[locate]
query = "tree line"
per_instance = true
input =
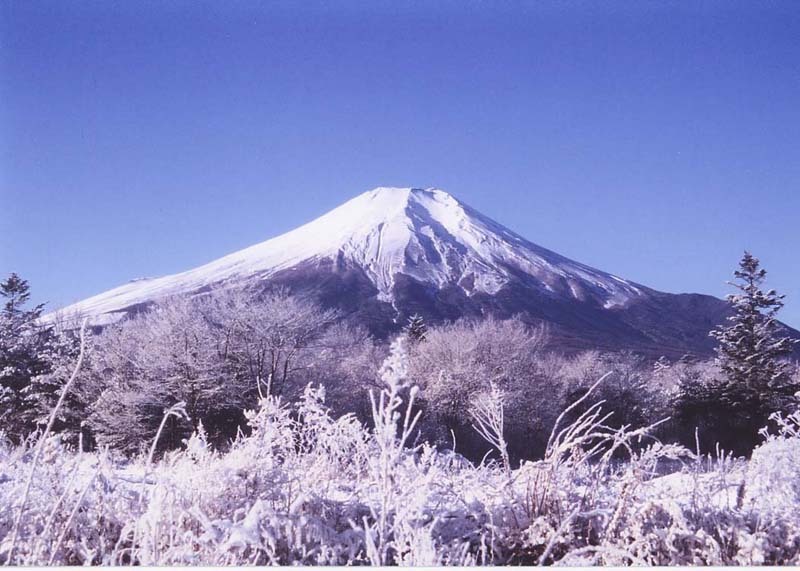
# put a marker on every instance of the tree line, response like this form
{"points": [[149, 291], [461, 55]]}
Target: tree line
{"points": [[221, 352]]}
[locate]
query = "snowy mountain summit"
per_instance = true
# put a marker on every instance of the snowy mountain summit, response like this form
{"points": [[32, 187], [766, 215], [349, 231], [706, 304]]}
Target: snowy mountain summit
{"points": [[390, 252], [430, 236]]}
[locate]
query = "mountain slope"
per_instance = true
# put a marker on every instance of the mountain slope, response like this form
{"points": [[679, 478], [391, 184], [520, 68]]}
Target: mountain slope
{"points": [[393, 251], [425, 234]]}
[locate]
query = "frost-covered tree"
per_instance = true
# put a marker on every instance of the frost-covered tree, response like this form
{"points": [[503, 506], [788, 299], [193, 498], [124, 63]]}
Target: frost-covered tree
{"points": [[751, 349], [146, 365], [416, 330], [45, 389], [631, 391], [344, 360], [220, 353], [487, 412], [755, 378], [27, 350], [460, 361], [278, 342], [271, 336]]}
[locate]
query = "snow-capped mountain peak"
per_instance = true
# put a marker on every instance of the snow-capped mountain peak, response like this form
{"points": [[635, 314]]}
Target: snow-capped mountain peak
{"points": [[425, 234], [431, 236]]}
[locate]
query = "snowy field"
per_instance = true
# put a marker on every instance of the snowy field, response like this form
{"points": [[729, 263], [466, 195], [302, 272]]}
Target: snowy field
{"points": [[308, 489]]}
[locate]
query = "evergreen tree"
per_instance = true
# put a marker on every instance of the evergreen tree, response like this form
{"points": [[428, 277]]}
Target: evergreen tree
{"points": [[416, 330], [24, 354], [755, 377], [751, 347], [40, 396]]}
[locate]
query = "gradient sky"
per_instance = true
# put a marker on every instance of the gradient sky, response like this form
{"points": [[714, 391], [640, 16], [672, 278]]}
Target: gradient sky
{"points": [[653, 140]]}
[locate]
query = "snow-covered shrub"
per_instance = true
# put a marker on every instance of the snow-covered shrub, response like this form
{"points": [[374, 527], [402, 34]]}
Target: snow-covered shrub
{"points": [[773, 474], [304, 486]]}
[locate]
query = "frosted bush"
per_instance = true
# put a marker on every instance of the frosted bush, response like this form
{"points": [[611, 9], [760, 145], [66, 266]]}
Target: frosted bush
{"points": [[773, 478]]}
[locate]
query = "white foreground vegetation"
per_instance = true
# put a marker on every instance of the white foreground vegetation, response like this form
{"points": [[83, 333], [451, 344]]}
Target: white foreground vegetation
{"points": [[305, 488]]}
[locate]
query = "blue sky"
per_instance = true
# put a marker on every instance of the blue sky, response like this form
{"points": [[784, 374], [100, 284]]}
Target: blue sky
{"points": [[654, 140]]}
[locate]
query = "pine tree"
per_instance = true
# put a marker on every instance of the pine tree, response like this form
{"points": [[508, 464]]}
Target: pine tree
{"points": [[416, 330], [751, 347], [17, 293], [60, 353], [755, 377], [25, 348]]}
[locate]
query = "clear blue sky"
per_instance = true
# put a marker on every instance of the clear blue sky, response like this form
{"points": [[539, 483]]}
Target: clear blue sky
{"points": [[654, 140]]}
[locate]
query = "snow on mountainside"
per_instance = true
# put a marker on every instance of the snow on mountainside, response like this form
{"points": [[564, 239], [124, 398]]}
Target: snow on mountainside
{"points": [[425, 234]]}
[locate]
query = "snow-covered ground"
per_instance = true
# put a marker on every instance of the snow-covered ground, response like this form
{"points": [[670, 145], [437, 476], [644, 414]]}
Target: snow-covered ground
{"points": [[306, 488]]}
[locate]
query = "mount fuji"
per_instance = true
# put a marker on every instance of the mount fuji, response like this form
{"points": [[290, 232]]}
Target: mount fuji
{"points": [[392, 252]]}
